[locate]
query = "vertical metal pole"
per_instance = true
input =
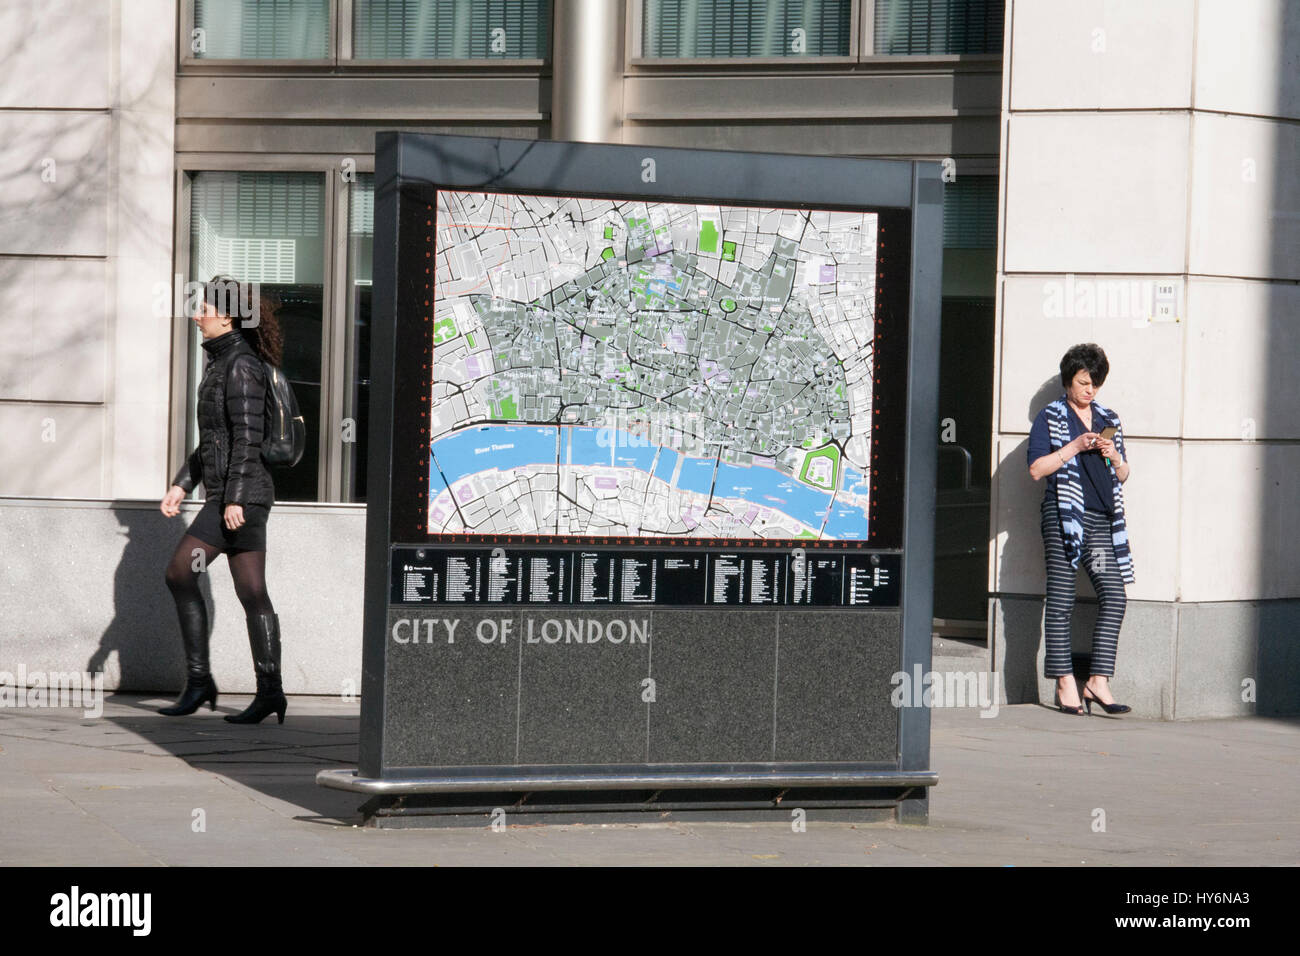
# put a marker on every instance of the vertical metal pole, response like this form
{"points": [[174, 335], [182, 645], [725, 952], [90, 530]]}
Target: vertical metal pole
{"points": [[587, 71]]}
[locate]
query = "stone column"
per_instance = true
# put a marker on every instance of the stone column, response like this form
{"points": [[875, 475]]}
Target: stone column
{"points": [[1151, 205], [587, 66]]}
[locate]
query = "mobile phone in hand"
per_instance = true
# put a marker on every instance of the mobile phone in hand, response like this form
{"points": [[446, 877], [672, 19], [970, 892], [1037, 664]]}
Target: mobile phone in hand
{"points": [[1108, 433]]}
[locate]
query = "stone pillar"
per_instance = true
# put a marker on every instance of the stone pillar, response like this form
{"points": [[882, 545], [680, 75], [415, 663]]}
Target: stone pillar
{"points": [[1151, 205], [587, 67]]}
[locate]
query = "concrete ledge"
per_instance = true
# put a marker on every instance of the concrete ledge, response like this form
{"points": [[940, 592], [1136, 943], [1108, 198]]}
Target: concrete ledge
{"points": [[83, 590], [1176, 660]]}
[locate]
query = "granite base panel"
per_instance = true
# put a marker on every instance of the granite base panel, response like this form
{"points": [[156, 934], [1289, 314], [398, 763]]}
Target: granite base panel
{"points": [[529, 687]]}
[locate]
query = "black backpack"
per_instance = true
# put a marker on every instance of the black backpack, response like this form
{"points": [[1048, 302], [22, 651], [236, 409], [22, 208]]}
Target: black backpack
{"points": [[284, 435]]}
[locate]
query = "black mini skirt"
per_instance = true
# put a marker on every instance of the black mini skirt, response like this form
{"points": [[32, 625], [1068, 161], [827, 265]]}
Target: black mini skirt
{"points": [[209, 526]]}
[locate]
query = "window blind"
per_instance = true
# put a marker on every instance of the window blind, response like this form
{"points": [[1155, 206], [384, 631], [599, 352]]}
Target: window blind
{"points": [[738, 28], [361, 221], [938, 26], [262, 29], [970, 213], [247, 224], [451, 29]]}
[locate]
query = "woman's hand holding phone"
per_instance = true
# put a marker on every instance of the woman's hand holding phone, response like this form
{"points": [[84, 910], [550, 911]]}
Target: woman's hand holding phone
{"points": [[1106, 444]]}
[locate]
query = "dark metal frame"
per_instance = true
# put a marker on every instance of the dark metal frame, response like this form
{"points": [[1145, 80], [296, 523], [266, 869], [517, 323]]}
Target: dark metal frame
{"points": [[404, 159]]}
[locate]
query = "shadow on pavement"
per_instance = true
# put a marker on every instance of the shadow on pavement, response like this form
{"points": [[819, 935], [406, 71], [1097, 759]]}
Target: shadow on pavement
{"points": [[277, 760]]}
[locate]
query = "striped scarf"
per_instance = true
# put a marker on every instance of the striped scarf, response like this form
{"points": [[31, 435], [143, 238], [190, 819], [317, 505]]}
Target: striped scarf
{"points": [[1067, 482]]}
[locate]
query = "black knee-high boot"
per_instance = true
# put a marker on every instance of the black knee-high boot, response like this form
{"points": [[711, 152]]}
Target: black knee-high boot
{"points": [[199, 685], [264, 639]]}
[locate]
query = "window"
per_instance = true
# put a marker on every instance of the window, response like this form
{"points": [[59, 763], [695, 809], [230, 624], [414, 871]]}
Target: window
{"points": [[966, 336], [268, 227], [261, 29], [450, 29], [356, 404], [746, 28], [970, 213], [938, 26], [970, 238]]}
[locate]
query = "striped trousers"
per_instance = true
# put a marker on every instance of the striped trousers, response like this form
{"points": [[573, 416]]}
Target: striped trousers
{"points": [[1099, 562]]}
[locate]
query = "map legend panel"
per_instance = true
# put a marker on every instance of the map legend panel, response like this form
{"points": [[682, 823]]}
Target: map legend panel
{"points": [[595, 583], [425, 575]]}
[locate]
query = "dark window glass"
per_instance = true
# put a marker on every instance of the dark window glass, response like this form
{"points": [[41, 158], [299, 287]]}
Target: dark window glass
{"points": [[970, 213], [735, 28], [938, 26], [268, 227], [450, 29]]}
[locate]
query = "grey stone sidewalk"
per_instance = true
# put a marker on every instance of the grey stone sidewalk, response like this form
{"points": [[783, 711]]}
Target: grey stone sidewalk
{"points": [[1030, 786]]}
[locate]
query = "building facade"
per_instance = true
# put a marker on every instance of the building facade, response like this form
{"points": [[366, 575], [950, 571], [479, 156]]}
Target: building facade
{"points": [[154, 143]]}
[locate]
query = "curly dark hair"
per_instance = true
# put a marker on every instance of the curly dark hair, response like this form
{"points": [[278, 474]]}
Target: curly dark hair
{"points": [[253, 310], [1087, 356]]}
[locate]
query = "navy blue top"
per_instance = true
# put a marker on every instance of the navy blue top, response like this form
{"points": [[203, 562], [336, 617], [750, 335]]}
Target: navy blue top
{"points": [[1098, 494]]}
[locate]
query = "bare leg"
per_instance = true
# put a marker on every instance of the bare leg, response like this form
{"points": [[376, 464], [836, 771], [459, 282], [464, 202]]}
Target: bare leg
{"points": [[1067, 689]]}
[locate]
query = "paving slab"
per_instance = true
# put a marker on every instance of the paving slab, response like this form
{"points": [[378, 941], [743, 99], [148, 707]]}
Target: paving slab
{"points": [[1029, 786]]}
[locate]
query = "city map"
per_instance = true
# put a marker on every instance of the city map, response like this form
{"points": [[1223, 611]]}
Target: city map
{"points": [[627, 368]]}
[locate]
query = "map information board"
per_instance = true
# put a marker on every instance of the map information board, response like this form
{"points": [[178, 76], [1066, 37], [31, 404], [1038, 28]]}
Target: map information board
{"points": [[657, 370]]}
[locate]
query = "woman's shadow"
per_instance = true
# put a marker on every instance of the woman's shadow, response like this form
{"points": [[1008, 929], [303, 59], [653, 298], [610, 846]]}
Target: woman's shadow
{"points": [[142, 641], [1022, 577], [140, 652]]}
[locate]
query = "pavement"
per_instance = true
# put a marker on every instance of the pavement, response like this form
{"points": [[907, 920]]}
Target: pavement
{"points": [[1029, 786]]}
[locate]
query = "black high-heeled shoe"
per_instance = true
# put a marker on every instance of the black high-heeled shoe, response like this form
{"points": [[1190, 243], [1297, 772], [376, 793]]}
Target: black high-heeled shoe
{"points": [[270, 700], [1109, 708], [199, 685], [1064, 709], [264, 639], [197, 691]]}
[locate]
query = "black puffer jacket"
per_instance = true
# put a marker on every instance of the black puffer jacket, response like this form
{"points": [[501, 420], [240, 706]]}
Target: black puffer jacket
{"points": [[231, 409]]}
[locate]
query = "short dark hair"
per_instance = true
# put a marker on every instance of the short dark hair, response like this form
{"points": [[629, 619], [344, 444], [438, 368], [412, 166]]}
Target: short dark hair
{"points": [[1087, 356]]}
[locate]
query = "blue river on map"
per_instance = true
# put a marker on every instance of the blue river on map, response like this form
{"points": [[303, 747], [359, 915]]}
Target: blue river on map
{"points": [[483, 447]]}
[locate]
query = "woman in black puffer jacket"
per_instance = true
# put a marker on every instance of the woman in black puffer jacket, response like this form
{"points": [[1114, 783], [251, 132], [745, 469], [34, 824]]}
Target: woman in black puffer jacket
{"points": [[239, 330]]}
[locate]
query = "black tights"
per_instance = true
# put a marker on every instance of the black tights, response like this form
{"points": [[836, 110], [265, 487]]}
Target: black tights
{"points": [[247, 569]]}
